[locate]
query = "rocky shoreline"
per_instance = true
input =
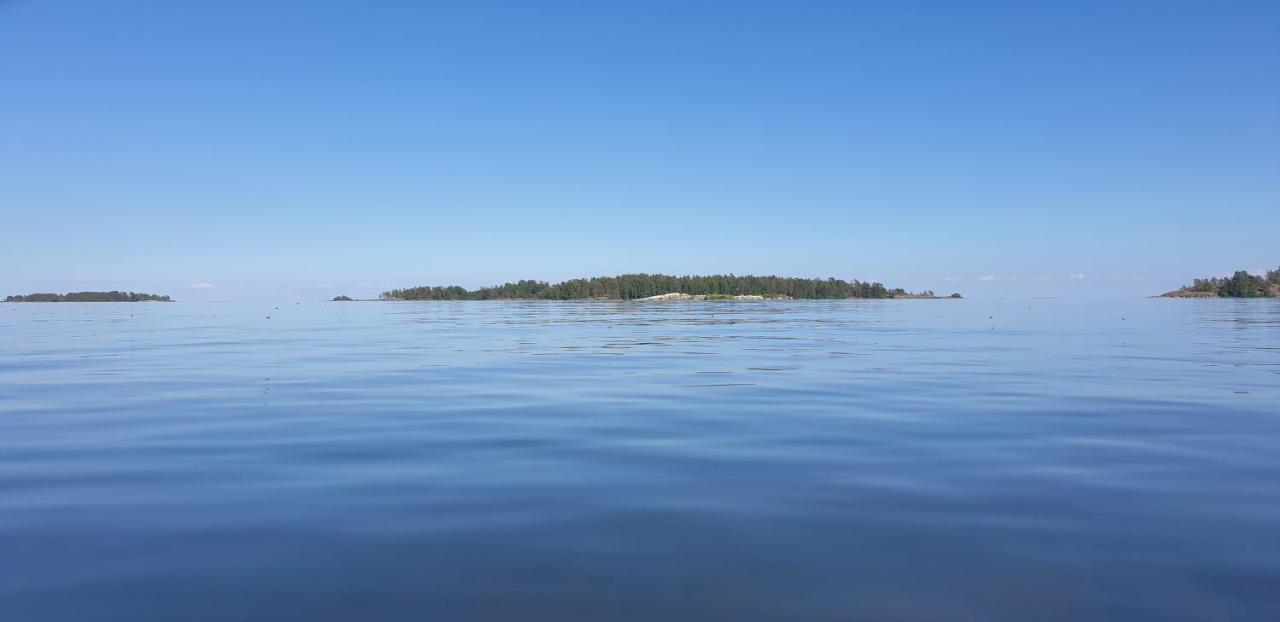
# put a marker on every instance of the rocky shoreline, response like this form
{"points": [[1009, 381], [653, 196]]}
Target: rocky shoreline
{"points": [[1188, 293], [677, 296]]}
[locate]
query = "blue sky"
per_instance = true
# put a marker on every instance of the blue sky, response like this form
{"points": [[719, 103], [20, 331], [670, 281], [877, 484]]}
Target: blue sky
{"points": [[313, 148]]}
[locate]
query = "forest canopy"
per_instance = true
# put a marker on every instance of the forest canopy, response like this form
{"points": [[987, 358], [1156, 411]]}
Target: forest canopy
{"points": [[633, 286], [1239, 285], [112, 296]]}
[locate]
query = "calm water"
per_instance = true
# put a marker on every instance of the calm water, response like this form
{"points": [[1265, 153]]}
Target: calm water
{"points": [[903, 460]]}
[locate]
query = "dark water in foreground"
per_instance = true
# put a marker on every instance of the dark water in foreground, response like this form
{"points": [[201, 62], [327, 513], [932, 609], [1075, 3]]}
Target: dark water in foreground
{"points": [[898, 460]]}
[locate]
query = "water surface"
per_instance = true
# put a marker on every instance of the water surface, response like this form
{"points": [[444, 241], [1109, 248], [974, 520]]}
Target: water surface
{"points": [[904, 460]]}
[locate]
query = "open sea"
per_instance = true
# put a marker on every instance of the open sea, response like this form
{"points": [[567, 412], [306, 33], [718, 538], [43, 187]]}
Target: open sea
{"points": [[967, 460]]}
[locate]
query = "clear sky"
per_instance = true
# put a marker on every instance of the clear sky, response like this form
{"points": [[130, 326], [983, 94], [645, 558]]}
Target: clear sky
{"points": [[216, 148]]}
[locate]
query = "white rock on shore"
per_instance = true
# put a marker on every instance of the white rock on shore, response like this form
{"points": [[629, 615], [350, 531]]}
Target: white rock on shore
{"points": [[680, 296]]}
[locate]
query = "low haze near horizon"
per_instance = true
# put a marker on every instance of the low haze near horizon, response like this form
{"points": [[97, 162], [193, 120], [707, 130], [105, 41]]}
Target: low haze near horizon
{"points": [[222, 149]]}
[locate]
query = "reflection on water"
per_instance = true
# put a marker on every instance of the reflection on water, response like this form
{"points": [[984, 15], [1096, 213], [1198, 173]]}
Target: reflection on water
{"points": [[907, 460]]}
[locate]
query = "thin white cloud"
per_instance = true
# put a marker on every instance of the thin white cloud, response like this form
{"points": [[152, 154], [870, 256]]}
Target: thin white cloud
{"points": [[987, 279], [1079, 276], [203, 285], [952, 279], [324, 285]]}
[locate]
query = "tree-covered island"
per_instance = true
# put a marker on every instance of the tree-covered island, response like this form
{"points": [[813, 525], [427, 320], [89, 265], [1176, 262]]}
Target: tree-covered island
{"points": [[112, 296], [662, 287], [1239, 285]]}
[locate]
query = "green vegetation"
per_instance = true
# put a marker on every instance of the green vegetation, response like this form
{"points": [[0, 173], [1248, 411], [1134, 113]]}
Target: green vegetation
{"points": [[342, 299], [90, 297], [632, 286], [1239, 285]]}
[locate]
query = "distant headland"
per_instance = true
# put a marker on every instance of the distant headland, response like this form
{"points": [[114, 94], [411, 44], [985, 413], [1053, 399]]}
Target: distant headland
{"points": [[664, 287], [1239, 285], [90, 297]]}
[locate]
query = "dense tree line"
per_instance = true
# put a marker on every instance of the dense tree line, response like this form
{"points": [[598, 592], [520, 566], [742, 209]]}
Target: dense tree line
{"points": [[89, 297], [1240, 285], [632, 286]]}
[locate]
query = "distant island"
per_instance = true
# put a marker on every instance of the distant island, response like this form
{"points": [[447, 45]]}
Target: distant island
{"points": [[1240, 285], [343, 299], [90, 297], [663, 287]]}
